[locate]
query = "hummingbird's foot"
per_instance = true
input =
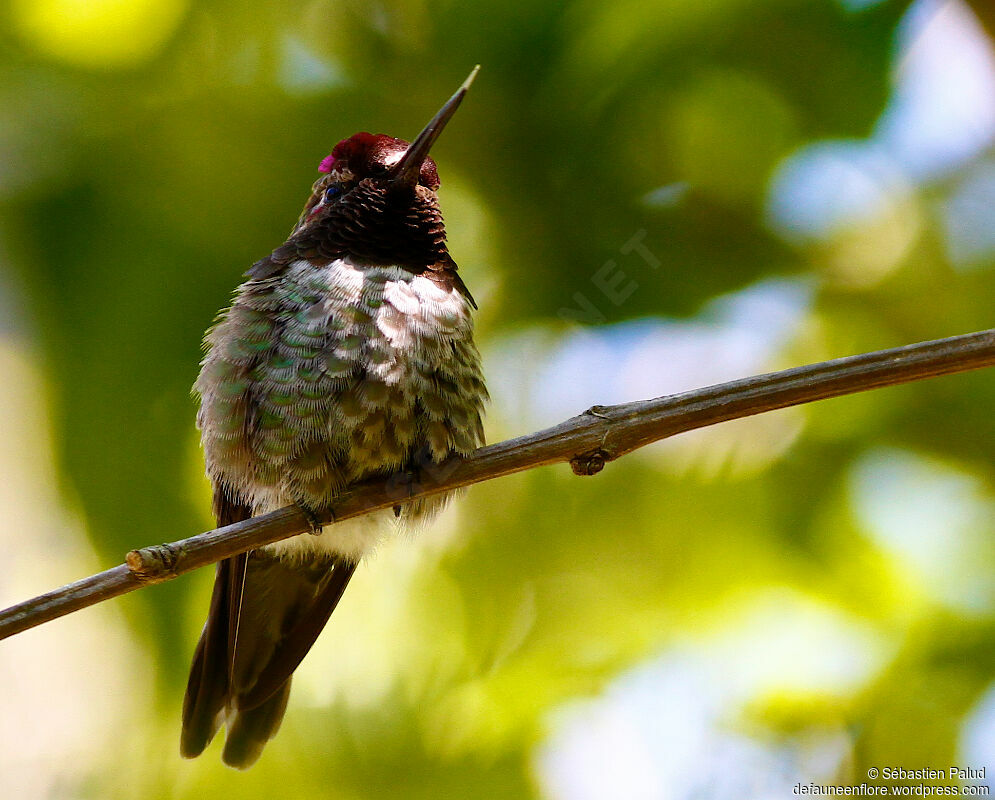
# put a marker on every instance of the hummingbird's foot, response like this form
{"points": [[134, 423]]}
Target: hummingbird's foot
{"points": [[312, 519], [404, 484]]}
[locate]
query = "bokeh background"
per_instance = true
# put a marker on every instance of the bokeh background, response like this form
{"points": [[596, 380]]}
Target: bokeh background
{"points": [[645, 196]]}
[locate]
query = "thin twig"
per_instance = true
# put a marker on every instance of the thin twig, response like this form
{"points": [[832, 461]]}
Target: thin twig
{"points": [[588, 441]]}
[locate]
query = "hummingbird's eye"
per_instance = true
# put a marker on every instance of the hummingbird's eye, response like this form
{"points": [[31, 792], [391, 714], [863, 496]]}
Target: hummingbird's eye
{"points": [[332, 192]]}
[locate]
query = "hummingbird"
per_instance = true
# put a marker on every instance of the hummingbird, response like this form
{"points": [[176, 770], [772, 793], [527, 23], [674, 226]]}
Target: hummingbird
{"points": [[346, 355]]}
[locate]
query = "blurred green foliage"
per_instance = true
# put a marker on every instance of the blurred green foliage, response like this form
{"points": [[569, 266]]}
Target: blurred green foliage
{"points": [[150, 151]]}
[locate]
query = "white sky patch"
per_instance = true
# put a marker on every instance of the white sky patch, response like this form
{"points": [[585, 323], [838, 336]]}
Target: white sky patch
{"points": [[832, 185], [540, 378], [670, 195], [969, 219], [977, 738], [858, 5], [934, 520], [303, 71], [664, 729], [940, 116], [942, 113]]}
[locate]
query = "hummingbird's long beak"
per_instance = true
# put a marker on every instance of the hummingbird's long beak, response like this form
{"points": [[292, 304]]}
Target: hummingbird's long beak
{"points": [[406, 171]]}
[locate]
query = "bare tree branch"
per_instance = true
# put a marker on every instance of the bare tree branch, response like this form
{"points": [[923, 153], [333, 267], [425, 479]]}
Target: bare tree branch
{"points": [[588, 441]]}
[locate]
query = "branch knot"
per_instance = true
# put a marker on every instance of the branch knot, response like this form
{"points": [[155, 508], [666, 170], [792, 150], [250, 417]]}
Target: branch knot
{"points": [[590, 463], [154, 563], [598, 411]]}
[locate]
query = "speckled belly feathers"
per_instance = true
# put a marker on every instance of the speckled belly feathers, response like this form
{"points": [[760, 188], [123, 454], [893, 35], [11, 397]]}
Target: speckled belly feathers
{"points": [[328, 375]]}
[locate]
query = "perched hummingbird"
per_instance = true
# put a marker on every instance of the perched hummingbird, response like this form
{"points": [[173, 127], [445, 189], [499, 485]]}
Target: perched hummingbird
{"points": [[347, 354]]}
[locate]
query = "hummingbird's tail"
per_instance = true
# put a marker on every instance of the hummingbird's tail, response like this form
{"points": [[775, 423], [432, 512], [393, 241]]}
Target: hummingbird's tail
{"points": [[265, 614]]}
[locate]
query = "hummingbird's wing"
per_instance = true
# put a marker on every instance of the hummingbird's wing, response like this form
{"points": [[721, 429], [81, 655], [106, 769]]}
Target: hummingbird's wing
{"points": [[265, 615], [277, 261], [210, 672], [284, 607], [319, 588]]}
